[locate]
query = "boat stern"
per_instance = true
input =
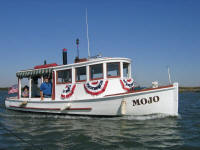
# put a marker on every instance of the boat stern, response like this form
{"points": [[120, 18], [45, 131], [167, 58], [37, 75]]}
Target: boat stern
{"points": [[175, 98]]}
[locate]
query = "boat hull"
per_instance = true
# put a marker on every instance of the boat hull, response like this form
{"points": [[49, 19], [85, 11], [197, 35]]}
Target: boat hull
{"points": [[162, 100]]}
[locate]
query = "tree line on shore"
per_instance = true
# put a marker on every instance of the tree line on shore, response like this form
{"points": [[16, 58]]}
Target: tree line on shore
{"points": [[189, 89], [4, 88]]}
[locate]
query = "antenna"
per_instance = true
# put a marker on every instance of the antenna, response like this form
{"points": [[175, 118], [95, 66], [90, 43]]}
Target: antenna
{"points": [[87, 35], [169, 76]]}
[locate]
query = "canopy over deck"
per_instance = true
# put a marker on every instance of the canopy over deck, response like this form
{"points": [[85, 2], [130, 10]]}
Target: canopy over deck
{"points": [[34, 73], [38, 71]]}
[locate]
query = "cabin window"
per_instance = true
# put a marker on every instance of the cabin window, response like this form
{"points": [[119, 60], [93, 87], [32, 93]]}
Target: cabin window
{"points": [[113, 69], [64, 76], [96, 71], [81, 74], [125, 70]]}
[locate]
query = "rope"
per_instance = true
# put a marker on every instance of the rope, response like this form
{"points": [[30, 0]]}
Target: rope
{"points": [[19, 138]]}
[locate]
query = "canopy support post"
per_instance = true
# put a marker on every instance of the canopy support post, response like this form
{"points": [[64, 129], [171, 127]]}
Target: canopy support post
{"points": [[30, 90], [19, 87], [42, 79], [53, 87]]}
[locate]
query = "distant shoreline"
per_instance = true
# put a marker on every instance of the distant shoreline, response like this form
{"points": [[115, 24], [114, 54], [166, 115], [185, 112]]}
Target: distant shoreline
{"points": [[4, 88], [189, 89], [181, 89]]}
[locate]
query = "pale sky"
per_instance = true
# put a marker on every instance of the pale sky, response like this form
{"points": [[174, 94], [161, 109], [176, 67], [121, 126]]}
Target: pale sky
{"points": [[153, 33]]}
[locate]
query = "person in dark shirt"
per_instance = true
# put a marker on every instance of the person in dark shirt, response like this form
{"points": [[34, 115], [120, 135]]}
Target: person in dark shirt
{"points": [[45, 88]]}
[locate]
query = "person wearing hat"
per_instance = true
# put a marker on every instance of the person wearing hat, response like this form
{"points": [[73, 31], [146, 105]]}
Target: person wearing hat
{"points": [[45, 88]]}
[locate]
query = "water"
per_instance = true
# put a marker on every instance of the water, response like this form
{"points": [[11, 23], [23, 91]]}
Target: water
{"points": [[52, 132]]}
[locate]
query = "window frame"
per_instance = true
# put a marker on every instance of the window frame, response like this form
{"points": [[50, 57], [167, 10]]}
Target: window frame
{"points": [[90, 72], [63, 82], [119, 67], [76, 74], [128, 73]]}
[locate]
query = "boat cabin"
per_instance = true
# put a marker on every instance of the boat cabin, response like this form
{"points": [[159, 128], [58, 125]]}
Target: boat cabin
{"points": [[83, 79]]}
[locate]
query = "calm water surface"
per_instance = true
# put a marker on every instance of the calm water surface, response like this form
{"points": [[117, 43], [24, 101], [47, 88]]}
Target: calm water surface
{"points": [[52, 132]]}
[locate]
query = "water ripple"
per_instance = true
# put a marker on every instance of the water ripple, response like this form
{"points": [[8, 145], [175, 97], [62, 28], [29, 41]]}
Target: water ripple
{"points": [[133, 132]]}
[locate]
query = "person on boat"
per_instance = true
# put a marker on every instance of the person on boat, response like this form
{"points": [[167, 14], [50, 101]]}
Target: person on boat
{"points": [[45, 88], [25, 92]]}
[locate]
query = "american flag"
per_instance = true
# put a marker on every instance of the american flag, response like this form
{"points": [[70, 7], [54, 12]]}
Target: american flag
{"points": [[13, 89]]}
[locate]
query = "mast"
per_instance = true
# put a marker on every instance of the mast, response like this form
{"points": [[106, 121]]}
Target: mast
{"points": [[87, 35], [169, 76]]}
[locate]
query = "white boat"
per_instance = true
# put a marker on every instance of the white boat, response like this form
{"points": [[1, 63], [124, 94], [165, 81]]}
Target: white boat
{"points": [[94, 87]]}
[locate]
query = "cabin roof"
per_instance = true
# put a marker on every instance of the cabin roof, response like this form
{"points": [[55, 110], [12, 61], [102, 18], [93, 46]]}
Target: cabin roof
{"points": [[48, 70], [93, 61]]}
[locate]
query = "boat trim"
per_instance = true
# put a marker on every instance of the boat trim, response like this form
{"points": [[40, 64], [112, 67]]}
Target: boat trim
{"points": [[129, 92], [86, 108], [102, 98]]}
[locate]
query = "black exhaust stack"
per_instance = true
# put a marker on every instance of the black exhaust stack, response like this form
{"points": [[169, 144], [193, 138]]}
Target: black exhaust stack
{"points": [[77, 43], [64, 56]]}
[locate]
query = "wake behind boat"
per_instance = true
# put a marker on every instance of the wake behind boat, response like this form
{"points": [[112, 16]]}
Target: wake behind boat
{"points": [[98, 86]]}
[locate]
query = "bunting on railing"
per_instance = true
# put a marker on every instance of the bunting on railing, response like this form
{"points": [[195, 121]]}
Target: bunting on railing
{"points": [[127, 84], [96, 87], [68, 91]]}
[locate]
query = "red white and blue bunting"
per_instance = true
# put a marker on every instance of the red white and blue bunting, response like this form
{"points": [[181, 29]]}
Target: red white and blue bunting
{"points": [[96, 87], [127, 84], [68, 91]]}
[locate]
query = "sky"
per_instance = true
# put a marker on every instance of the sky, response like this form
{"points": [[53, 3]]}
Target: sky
{"points": [[155, 34]]}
